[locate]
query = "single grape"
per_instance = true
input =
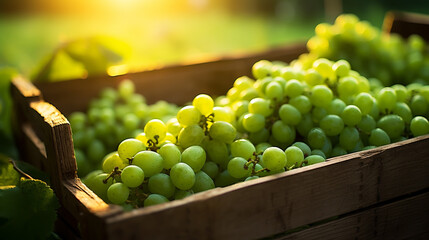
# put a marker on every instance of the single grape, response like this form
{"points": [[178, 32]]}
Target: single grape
{"points": [[289, 114], [294, 157], [302, 103], [386, 99], [190, 135], [150, 162], [419, 126], [195, 157], [154, 199], [351, 115], [224, 179], [392, 124], [118, 193], [332, 125], [111, 161], [132, 176], [321, 96], [155, 130], [170, 154], [367, 124], [161, 183], [293, 88], [260, 106], [313, 159], [378, 137], [349, 138], [188, 116], [274, 158], [316, 138], [182, 176], [242, 148], [253, 122], [237, 167], [130, 147], [203, 182], [216, 151], [211, 169], [283, 133], [341, 67], [306, 150], [223, 131], [204, 104], [364, 101], [181, 194]]}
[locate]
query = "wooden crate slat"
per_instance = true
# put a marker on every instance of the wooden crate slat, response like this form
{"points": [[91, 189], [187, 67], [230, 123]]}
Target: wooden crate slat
{"points": [[402, 219], [282, 202]]}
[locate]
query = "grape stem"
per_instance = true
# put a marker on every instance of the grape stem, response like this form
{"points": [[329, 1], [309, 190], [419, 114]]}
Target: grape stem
{"points": [[152, 145], [114, 173], [19, 170], [204, 122]]}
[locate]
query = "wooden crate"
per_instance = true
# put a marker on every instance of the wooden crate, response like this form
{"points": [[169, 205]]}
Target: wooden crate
{"points": [[381, 193]]}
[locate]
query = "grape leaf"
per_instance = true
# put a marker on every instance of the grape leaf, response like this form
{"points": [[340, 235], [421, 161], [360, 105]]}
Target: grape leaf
{"points": [[8, 175], [27, 210]]}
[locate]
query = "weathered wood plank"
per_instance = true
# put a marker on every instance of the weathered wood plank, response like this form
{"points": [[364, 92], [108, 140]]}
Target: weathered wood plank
{"points": [[403, 219]]}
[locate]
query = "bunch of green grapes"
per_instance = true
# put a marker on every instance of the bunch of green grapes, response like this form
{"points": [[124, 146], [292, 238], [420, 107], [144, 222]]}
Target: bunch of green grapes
{"points": [[115, 115], [387, 57]]}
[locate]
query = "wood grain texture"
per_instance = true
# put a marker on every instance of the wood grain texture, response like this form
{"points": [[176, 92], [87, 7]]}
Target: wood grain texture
{"points": [[407, 24], [275, 204], [403, 219]]}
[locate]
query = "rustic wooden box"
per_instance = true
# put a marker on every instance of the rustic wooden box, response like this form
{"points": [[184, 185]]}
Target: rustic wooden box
{"points": [[381, 193]]}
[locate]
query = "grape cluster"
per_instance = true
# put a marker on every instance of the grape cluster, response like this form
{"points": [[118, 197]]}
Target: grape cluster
{"points": [[115, 115], [387, 57]]}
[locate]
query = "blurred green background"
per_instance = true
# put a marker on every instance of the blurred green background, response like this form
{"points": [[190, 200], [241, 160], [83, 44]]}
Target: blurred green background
{"points": [[170, 31]]}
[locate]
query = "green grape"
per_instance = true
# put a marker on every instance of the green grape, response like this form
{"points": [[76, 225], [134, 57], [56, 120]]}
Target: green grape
{"points": [[249, 94], [274, 158], [224, 179], [253, 122], [118, 193], [341, 67], [294, 157], [225, 114], [125, 88], [233, 94], [324, 67], [260, 106], [131, 121], [338, 151], [419, 126], [216, 151], [332, 125], [318, 152], [283, 132], [173, 127], [243, 83], [287, 73], [251, 178], [169, 138], [211, 169], [289, 114], [261, 147], [154, 199], [261, 69], [182, 176], [99, 187], [161, 183], [293, 88], [111, 161], [305, 125], [188, 116], [237, 167], [170, 154], [313, 159], [83, 165], [130, 147], [204, 104], [195, 157], [96, 151], [318, 113], [260, 136], [223, 131], [378, 137], [274, 91], [313, 77], [321, 96], [367, 124], [261, 84], [316, 138], [132, 176], [386, 99], [150, 162], [181, 194], [349, 138], [302, 103], [364, 101], [240, 107], [77, 120], [401, 92], [347, 86], [203, 182], [403, 110], [351, 115], [153, 128], [336, 107], [306, 150], [242, 148], [419, 105], [392, 124], [190, 135]]}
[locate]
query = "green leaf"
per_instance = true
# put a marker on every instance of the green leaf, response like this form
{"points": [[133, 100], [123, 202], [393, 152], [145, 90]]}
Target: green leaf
{"points": [[8, 175], [28, 210]]}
